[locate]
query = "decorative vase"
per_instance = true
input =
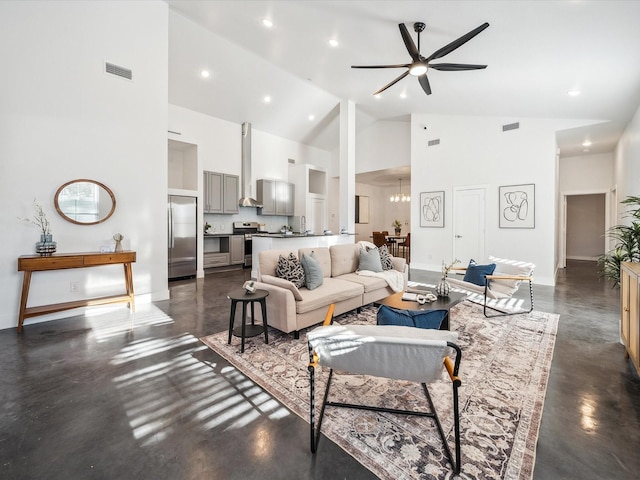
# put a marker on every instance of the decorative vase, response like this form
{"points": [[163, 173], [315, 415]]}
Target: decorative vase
{"points": [[118, 237], [443, 288], [46, 246], [398, 230]]}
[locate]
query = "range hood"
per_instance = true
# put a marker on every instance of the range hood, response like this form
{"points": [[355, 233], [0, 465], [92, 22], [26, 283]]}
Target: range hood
{"points": [[245, 199]]}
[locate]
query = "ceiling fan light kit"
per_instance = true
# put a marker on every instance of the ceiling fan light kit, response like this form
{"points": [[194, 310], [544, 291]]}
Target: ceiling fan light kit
{"points": [[419, 64]]}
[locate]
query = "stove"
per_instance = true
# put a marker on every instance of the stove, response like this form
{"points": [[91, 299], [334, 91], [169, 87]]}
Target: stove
{"points": [[247, 229]]}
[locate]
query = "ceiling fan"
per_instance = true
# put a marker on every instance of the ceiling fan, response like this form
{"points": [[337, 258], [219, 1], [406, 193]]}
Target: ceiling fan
{"points": [[419, 65]]}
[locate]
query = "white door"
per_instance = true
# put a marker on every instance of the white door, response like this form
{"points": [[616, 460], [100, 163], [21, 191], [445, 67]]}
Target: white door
{"points": [[317, 214], [469, 224]]}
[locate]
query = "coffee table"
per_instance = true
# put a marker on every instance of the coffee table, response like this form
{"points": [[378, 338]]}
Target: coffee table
{"points": [[442, 303]]}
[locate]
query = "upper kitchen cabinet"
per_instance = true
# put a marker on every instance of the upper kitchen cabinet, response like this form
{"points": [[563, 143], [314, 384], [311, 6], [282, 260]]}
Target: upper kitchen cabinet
{"points": [[220, 193], [277, 198], [182, 167], [310, 194]]}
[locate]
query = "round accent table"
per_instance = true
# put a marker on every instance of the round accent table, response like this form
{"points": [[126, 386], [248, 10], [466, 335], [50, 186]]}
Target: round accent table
{"points": [[250, 330]]}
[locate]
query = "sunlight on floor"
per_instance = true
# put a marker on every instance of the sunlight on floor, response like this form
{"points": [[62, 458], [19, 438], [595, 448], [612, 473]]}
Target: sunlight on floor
{"points": [[110, 321], [166, 383]]}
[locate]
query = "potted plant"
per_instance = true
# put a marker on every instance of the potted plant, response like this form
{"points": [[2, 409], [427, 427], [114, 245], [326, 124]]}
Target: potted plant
{"points": [[627, 247], [397, 226]]}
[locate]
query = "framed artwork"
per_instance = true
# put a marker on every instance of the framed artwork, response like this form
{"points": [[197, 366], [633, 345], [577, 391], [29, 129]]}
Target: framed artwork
{"points": [[432, 209], [517, 206], [362, 209]]}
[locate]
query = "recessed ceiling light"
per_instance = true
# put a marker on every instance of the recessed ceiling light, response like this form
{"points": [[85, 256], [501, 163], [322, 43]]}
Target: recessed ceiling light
{"points": [[377, 96], [267, 99], [267, 23], [403, 95], [205, 74], [586, 143], [573, 93], [312, 117], [333, 42]]}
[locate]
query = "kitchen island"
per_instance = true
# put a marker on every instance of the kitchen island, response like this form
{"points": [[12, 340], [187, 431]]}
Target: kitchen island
{"points": [[278, 241]]}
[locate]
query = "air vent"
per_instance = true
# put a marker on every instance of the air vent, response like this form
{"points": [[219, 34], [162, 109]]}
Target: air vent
{"points": [[119, 71], [292, 161], [431, 143], [511, 126]]}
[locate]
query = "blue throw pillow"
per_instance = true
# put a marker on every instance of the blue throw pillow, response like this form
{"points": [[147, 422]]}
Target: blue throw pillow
{"points": [[313, 274], [431, 319], [476, 273]]}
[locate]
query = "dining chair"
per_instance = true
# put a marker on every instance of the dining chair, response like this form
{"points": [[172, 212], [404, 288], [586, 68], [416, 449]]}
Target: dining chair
{"points": [[406, 247]]}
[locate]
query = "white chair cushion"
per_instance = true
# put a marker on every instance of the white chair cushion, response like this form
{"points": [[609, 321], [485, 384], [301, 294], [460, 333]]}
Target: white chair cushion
{"points": [[404, 353]]}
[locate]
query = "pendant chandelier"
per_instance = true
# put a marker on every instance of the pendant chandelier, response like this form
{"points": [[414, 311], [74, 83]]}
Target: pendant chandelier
{"points": [[399, 197]]}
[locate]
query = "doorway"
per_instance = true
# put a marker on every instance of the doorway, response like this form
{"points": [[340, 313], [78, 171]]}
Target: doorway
{"points": [[469, 223], [585, 221]]}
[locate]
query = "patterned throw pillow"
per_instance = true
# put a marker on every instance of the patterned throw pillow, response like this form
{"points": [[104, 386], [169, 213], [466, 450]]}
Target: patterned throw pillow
{"points": [[385, 258], [290, 269]]}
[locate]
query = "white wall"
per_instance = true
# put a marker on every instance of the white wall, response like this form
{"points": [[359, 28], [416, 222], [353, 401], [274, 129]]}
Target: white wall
{"points": [[63, 118], [383, 145], [627, 166], [585, 226], [475, 151], [587, 173]]}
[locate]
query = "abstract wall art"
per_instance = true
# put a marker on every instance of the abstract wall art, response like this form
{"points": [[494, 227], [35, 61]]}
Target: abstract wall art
{"points": [[432, 209], [517, 206]]}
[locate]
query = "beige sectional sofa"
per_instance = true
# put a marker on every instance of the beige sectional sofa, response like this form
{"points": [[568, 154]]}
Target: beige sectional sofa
{"points": [[290, 309]]}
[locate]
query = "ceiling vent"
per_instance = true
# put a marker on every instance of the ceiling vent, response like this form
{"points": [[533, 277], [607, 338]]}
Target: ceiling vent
{"points": [[292, 161], [119, 71], [431, 143], [511, 126]]}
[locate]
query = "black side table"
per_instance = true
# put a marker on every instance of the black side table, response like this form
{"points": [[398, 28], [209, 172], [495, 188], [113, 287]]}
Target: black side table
{"points": [[241, 295]]}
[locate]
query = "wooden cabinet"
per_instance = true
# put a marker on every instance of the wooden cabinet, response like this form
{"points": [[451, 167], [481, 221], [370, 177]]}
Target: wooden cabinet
{"points": [[277, 198], [630, 310], [236, 249], [220, 193], [223, 250]]}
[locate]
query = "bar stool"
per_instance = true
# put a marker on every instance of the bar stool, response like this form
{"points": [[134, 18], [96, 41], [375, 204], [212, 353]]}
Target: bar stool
{"points": [[244, 331]]}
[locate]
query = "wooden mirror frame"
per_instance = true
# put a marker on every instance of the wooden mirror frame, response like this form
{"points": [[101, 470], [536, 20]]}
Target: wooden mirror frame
{"points": [[101, 185]]}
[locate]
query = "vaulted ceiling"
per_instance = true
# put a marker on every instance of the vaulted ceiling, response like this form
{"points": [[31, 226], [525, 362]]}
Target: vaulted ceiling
{"points": [[536, 53]]}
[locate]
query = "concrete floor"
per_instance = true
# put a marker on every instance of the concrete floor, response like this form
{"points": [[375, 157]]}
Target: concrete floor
{"points": [[89, 397]]}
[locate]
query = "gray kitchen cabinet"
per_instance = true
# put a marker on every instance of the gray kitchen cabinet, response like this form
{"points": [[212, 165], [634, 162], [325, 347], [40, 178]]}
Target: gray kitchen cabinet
{"points": [[220, 193], [277, 198], [236, 249]]}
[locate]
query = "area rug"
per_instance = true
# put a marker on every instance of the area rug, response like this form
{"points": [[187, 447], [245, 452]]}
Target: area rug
{"points": [[504, 370]]}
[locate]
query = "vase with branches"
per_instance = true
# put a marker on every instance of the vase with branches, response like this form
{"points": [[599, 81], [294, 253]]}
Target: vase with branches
{"points": [[46, 246], [627, 243]]}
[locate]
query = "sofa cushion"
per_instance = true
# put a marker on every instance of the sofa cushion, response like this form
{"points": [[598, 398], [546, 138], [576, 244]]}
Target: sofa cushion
{"points": [[291, 269], [282, 283], [333, 290], [476, 273], [369, 284], [385, 258], [344, 259], [370, 260], [268, 261], [322, 255], [312, 271], [410, 318]]}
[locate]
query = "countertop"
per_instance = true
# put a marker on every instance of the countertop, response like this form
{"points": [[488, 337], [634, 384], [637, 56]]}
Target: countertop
{"points": [[299, 235], [220, 234]]}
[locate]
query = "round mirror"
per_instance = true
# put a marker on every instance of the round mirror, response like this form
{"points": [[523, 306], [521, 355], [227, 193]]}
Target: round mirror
{"points": [[85, 202]]}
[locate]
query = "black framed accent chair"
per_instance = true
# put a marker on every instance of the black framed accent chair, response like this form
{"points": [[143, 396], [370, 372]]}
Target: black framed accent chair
{"points": [[368, 349], [495, 283]]}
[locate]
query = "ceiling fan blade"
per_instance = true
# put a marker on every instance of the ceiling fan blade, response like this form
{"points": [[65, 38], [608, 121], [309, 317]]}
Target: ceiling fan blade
{"points": [[392, 82], [405, 65], [408, 42], [455, 67], [457, 43], [424, 83]]}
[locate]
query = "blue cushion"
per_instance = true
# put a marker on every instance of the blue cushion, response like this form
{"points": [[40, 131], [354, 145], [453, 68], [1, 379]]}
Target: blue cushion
{"points": [[313, 274], [411, 318], [476, 273]]}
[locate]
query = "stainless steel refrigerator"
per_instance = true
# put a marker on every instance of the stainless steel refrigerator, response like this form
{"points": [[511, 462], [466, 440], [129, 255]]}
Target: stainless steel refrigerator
{"points": [[181, 214]]}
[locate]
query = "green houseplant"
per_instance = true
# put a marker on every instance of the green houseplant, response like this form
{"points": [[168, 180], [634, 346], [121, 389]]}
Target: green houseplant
{"points": [[627, 247], [397, 226]]}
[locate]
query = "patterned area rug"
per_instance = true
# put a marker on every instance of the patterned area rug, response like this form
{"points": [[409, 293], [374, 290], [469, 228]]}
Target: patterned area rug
{"points": [[504, 371]]}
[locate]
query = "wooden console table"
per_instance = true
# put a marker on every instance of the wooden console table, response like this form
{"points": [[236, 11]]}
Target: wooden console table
{"points": [[36, 263]]}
